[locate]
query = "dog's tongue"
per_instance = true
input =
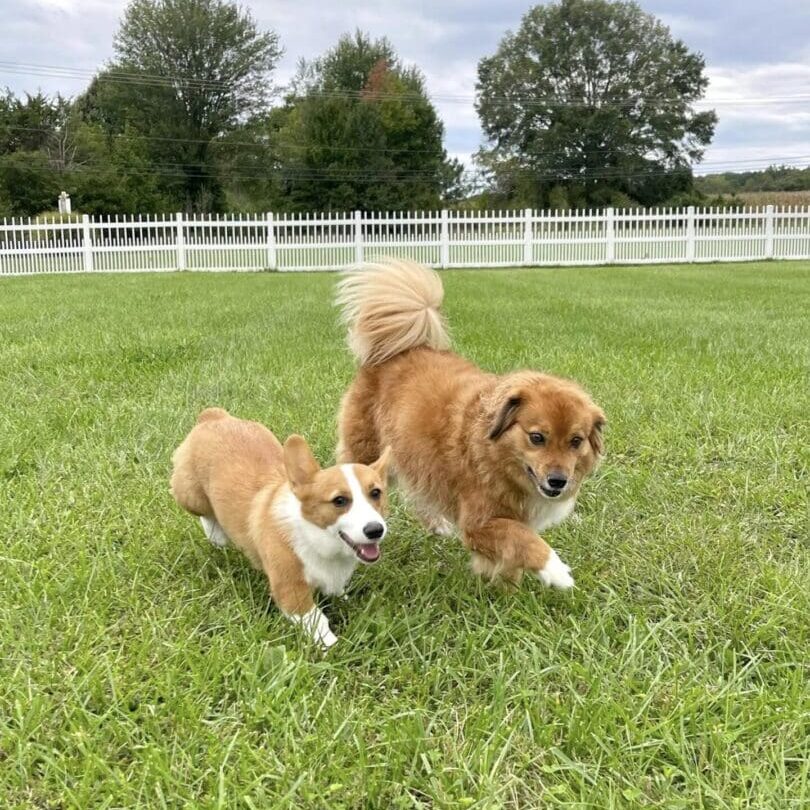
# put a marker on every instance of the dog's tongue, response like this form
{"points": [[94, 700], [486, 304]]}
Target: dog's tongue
{"points": [[369, 552]]}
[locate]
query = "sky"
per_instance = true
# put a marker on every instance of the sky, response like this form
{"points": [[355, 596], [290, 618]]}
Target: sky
{"points": [[757, 56]]}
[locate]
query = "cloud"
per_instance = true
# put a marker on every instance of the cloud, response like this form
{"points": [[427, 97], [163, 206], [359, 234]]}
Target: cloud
{"points": [[751, 53], [763, 115]]}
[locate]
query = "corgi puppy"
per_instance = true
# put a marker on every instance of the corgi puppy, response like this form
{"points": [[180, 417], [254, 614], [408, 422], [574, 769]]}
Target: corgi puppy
{"points": [[307, 528], [497, 458]]}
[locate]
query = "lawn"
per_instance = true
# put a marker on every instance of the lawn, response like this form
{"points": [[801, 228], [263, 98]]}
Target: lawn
{"points": [[142, 668]]}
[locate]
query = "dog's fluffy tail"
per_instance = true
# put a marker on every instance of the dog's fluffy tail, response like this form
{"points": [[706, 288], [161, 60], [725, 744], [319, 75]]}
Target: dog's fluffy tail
{"points": [[390, 307], [211, 414]]}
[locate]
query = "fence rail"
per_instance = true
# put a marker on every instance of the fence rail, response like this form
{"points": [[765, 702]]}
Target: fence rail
{"points": [[438, 238]]}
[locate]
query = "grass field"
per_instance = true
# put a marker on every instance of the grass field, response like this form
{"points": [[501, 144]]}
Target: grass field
{"points": [[142, 668]]}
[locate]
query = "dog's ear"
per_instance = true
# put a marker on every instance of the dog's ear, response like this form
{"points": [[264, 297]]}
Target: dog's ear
{"points": [[299, 462], [506, 414], [595, 436], [380, 466]]}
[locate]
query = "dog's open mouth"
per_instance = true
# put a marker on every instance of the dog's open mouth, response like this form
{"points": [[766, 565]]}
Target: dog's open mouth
{"points": [[365, 552], [549, 493]]}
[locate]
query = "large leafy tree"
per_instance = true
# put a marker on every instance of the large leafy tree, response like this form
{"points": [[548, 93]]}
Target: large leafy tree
{"points": [[187, 73], [359, 131], [592, 101]]}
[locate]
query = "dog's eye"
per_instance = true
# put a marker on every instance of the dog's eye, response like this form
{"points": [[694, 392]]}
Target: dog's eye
{"points": [[340, 501], [576, 441], [537, 438], [375, 493]]}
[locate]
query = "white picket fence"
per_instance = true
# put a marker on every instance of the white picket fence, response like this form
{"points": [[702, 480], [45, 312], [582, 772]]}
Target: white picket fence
{"points": [[438, 238]]}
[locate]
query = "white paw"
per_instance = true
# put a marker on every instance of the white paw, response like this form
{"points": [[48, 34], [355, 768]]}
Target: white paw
{"points": [[214, 532], [316, 626], [328, 640], [442, 527], [556, 573]]}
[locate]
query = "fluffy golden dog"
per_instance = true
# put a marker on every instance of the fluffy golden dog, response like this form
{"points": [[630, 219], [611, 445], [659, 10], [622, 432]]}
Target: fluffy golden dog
{"points": [[499, 457]]}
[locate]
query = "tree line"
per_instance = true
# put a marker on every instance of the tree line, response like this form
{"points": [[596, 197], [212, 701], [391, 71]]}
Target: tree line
{"points": [[587, 103], [774, 178]]}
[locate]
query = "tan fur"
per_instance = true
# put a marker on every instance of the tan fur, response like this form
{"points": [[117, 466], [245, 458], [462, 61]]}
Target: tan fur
{"points": [[235, 471], [458, 435], [391, 307]]}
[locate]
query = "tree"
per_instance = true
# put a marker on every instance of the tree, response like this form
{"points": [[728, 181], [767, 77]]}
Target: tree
{"points": [[29, 150], [360, 132], [186, 73], [595, 97], [28, 183]]}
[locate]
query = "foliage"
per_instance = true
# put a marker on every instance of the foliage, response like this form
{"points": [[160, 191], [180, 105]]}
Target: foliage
{"points": [[780, 198], [187, 73], [596, 97], [46, 147], [28, 182], [774, 178], [360, 132], [29, 152]]}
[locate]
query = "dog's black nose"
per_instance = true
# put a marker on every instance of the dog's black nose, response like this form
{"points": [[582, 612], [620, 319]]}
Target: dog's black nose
{"points": [[374, 531], [556, 482]]}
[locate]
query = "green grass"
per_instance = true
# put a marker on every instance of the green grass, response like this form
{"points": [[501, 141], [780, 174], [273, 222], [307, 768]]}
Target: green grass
{"points": [[140, 667]]}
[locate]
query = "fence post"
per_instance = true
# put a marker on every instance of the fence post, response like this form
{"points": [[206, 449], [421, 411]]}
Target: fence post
{"points": [[690, 233], [271, 241], [358, 237], [444, 239], [87, 244], [528, 236], [181, 242], [768, 231], [610, 234]]}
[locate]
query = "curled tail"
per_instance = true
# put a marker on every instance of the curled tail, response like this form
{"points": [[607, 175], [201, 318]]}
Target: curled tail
{"points": [[210, 414], [390, 307]]}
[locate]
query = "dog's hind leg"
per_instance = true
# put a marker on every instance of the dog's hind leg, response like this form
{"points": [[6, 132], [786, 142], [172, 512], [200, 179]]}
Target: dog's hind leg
{"points": [[358, 441], [213, 531], [431, 519], [185, 487]]}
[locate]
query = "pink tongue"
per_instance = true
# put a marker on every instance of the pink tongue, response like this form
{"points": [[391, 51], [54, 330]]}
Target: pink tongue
{"points": [[369, 551]]}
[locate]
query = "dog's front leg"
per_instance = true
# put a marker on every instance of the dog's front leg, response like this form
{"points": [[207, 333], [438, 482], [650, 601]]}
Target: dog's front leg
{"points": [[505, 547], [292, 594], [316, 626]]}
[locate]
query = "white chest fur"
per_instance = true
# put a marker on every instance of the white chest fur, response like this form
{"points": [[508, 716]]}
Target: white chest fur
{"points": [[546, 513], [327, 566]]}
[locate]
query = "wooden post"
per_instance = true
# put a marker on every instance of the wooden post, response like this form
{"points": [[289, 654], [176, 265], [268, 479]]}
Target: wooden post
{"points": [[528, 237], [87, 244], [690, 233], [272, 259], [444, 240], [610, 234], [358, 237], [181, 242], [768, 231]]}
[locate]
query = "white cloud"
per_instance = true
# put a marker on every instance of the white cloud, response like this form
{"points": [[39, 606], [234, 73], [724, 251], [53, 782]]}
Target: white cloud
{"points": [[684, 26], [763, 115], [447, 39]]}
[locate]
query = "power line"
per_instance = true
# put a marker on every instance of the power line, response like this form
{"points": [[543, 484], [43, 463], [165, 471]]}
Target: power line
{"points": [[565, 152], [391, 176], [147, 79]]}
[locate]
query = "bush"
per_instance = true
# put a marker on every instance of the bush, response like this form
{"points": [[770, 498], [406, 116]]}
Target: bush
{"points": [[28, 182]]}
